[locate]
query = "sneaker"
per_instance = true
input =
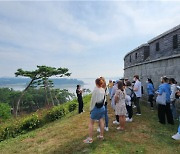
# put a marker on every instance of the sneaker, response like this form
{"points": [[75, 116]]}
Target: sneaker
{"points": [[129, 120], [176, 136], [88, 140], [98, 130], [106, 129], [138, 114], [115, 122], [134, 106]]}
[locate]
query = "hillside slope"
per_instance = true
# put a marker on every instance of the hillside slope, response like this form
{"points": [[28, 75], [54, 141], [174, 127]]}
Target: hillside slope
{"points": [[143, 135]]}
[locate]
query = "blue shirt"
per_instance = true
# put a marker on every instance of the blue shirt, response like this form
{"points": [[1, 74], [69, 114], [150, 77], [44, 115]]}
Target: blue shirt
{"points": [[150, 89], [165, 87]]}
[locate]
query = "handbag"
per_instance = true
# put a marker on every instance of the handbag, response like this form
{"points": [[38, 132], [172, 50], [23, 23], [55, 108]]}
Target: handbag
{"points": [[161, 99], [100, 103]]}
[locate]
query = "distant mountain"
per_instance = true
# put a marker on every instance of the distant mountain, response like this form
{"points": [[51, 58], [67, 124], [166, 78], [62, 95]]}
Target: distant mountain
{"points": [[24, 81]]}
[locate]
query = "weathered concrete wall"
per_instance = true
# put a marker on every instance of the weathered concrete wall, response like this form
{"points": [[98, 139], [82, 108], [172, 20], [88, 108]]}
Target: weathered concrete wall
{"points": [[169, 66]]}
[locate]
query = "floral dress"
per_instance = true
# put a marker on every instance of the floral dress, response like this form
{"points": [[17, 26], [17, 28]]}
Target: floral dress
{"points": [[120, 108]]}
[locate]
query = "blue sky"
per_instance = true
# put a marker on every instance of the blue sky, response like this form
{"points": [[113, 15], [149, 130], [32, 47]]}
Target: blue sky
{"points": [[90, 38]]}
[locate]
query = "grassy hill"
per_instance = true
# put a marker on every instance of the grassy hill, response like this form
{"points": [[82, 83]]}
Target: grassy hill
{"points": [[143, 135]]}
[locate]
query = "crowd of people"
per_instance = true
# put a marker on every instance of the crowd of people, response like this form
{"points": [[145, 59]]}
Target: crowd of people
{"points": [[125, 95]]}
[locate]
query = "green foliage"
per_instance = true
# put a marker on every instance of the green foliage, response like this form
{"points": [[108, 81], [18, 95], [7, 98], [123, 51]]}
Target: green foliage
{"points": [[31, 122], [72, 107], [5, 111], [55, 113]]}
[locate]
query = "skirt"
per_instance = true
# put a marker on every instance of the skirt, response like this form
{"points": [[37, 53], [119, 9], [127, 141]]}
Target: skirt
{"points": [[98, 113]]}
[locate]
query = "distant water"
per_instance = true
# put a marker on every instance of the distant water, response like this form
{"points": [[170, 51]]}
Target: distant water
{"points": [[88, 84]]}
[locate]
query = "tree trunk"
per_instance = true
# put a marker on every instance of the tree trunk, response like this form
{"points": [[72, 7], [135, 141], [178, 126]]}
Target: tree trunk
{"points": [[51, 97], [19, 100]]}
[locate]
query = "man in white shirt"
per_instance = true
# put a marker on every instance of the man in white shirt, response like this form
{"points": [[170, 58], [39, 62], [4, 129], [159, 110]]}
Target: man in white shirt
{"points": [[138, 92]]}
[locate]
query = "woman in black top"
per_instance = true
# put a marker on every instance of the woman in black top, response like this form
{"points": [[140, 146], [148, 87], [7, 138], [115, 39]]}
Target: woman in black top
{"points": [[79, 96]]}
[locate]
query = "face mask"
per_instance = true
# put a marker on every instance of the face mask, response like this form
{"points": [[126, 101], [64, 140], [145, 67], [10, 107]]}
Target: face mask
{"points": [[134, 79]]}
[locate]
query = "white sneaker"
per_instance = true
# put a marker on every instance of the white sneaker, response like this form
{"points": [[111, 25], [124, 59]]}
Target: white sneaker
{"points": [[106, 129], [138, 114], [115, 122], [176, 136], [134, 106], [98, 130], [129, 120]]}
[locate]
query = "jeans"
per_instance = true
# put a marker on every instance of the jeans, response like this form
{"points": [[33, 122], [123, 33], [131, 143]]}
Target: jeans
{"points": [[164, 110], [106, 116], [138, 105], [173, 109]]}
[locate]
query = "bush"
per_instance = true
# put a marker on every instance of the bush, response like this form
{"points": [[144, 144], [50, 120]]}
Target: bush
{"points": [[5, 111], [72, 107], [34, 121], [55, 113], [30, 123]]}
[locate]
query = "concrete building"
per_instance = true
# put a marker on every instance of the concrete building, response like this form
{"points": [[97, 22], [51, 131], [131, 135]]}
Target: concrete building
{"points": [[158, 57]]}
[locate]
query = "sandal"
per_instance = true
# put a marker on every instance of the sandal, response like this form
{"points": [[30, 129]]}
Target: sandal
{"points": [[100, 137], [88, 140]]}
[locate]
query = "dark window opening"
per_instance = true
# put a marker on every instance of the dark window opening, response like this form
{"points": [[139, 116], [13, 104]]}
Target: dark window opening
{"points": [[146, 53], [175, 41], [136, 55], [157, 46], [130, 58]]}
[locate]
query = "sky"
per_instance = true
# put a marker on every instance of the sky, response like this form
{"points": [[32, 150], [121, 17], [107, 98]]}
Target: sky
{"points": [[90, 38]]}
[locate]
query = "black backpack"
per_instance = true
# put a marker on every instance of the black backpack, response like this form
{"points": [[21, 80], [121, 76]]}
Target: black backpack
{"points": [[133, 95]]}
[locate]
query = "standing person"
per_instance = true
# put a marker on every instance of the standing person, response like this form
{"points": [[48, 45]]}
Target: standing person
{"points": [[129, 91], [137, 90], [177, 103], [106, 128], [172, 82], [150, 91], [97, 110], [110, 86], [79, 96], [165, 109], [115, 87], [120, 107]]}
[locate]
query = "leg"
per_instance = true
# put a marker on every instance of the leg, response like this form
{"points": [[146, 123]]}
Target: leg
{"points": [[138, 105], [91, 125], [161, 113], [106, 116], [101, 121], [169, 114], [151, 100], [130, 112], [122, 121], [117, 118]]}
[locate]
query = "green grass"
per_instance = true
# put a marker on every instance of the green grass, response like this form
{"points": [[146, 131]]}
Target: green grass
{"points": [[143, 135]]}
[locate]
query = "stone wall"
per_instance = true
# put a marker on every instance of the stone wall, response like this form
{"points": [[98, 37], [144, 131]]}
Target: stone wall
{"points": [[169, 66], [154, 64]]}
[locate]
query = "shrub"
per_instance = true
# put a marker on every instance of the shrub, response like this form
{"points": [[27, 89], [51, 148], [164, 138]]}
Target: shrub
{"points": [[30, 123], [72, 107], [5, 111], [55, 113]]}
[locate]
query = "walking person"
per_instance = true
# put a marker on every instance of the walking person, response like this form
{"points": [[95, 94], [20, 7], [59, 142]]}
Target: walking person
{"points": [[137, 90], [150, 91], [80, 100], [97, 110], [120, 107], [164, 109]]}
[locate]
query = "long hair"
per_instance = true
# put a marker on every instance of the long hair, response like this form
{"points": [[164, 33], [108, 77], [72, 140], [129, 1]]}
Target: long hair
{"points": [[120, 85]]}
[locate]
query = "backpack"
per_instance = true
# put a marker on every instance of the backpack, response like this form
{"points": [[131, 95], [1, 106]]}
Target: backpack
{"points": [[133, 95]]}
